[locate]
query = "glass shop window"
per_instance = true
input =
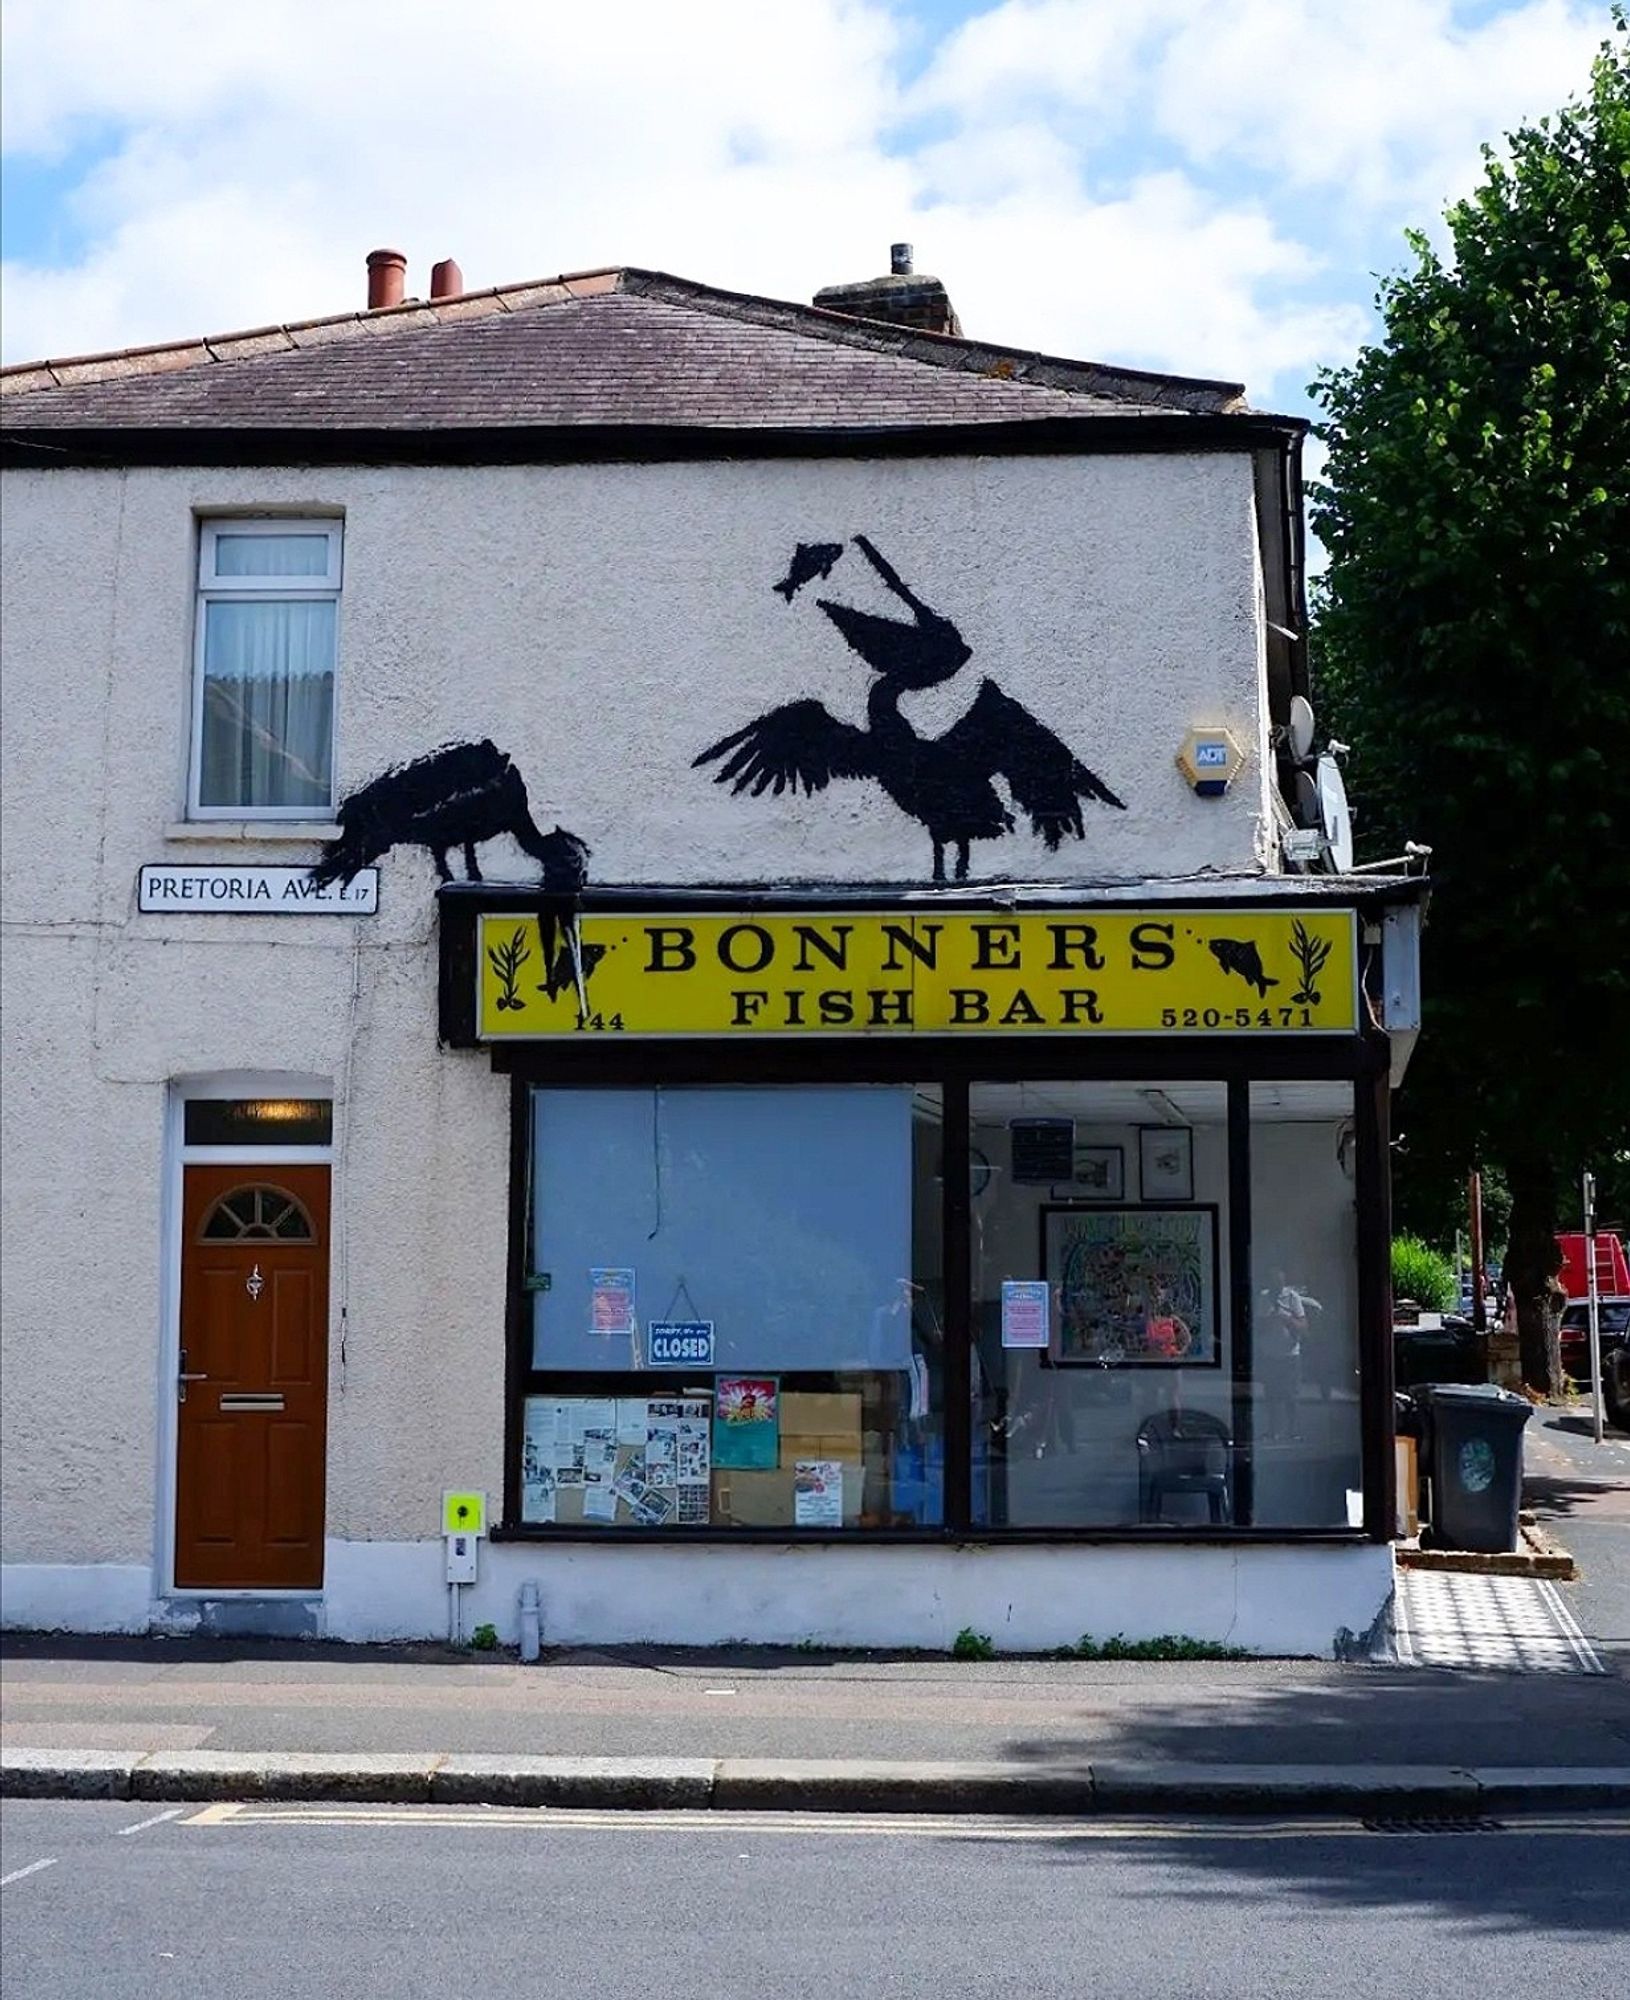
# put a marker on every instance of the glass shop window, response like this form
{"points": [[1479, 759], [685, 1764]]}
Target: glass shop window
{"points": [[736, 1308], [1102, 1365], [263, 704], [1304, 1388]]}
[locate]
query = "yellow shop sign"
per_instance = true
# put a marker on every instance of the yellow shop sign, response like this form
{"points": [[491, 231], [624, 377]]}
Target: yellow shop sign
{"points": [[865, 972]]}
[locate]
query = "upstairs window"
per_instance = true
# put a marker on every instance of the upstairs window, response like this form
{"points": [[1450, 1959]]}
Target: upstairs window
{"points": [[263, 706]]}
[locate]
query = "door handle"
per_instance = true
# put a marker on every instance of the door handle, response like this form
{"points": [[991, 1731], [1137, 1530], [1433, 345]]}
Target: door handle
{"points": [[183, 1378]]}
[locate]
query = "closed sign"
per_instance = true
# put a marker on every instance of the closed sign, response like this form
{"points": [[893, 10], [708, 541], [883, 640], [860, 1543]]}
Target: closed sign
{"points": [[681, 1343]]}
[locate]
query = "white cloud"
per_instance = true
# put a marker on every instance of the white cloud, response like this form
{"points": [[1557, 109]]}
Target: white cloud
{"points": [[1162, 275], [1388, 101], [1101, 178], [1083, 53]]}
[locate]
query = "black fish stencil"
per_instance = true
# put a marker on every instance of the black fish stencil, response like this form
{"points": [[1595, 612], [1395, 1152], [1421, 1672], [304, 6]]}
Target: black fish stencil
{"points": [[944, 782], [1242, 958], [809, 560]]}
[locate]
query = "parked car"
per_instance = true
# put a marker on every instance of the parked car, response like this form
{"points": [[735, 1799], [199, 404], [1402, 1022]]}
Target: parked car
{"points": [[1614, 1317], [1453, 1351], [1616, 1384]]}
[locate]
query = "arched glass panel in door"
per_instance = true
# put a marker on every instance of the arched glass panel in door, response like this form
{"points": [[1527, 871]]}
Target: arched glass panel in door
{"points": [[257, 1212]]}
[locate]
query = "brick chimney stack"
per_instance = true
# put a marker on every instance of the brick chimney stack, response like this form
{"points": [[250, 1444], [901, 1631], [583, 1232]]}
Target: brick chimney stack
{"points": [[387, 278], [903, 298]]}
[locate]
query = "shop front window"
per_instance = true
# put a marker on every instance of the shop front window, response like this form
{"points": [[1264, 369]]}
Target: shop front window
{"points": [[1119, 1379], [1306, 1425], [1102, 1381], [735, 1309]]}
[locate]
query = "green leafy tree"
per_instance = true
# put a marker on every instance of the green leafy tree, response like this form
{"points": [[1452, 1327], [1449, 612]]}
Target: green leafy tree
{"points": [[1474, 646]]}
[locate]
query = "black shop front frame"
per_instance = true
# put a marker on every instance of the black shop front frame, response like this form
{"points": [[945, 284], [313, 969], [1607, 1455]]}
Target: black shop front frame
{"points": [[1001, 1445]]}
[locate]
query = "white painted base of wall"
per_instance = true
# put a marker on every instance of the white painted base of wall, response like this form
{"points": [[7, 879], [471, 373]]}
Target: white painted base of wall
{"points": [[1284, 1600], [1269, 1600], [75, 1597]]}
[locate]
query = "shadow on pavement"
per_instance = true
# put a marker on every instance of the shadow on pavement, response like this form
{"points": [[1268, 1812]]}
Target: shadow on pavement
{"points": [[1487, 1882], [1581, 1426], [1560, 1496], [196, 1649], [1380, 1716]]}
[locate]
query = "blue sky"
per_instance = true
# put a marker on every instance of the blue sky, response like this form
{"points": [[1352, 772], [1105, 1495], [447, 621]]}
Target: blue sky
{"points": [[1202, 185]]}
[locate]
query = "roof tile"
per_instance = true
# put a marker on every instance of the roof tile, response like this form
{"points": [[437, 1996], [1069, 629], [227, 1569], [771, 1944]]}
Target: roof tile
{"points": [[597, 347]]}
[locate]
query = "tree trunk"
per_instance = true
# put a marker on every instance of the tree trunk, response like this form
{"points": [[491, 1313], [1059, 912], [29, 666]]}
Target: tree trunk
{"points": [[1533, 1258]]}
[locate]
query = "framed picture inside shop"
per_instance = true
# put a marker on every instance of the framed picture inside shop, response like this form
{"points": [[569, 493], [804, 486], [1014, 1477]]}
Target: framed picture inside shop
{"points": [[1165, 1163], [1100, 1175], [1134, 1287]]}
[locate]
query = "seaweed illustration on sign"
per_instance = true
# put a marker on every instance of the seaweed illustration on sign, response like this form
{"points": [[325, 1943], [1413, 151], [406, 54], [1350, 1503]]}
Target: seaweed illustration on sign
{"points": [[506, 960], [943, 782], [463, 795], [1310, 954], [1242, 958]]}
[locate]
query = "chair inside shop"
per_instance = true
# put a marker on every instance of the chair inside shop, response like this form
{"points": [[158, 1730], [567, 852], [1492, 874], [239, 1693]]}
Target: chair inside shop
{"points": [[1184, 1452]]}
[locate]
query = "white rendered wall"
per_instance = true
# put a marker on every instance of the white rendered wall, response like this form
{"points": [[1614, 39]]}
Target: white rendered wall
{"points": [[1286, 1600], [605, 624], [602, 625]]}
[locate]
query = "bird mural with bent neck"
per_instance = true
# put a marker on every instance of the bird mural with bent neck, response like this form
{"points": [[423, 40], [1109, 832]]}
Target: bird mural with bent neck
{"points": [[945, 782]]}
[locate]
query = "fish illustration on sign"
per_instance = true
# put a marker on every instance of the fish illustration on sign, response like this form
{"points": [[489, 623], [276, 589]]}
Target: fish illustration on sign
{"points": [[1243, 959], [809, 561], [943, 782]]}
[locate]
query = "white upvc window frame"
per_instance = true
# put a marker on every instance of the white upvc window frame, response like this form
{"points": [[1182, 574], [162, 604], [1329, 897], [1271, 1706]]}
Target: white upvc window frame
{"points": [[213, 587]]}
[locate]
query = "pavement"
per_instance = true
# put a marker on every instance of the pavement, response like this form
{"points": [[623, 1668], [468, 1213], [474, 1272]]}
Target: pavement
{"points": [[1580, 1491], [184, 1719], [170, 1718]]}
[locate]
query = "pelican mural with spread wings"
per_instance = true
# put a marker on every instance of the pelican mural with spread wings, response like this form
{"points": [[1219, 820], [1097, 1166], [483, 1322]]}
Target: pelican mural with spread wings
{"points": [[947, 782]]}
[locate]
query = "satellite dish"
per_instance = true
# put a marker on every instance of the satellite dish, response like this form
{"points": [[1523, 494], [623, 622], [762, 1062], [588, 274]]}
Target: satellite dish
{"points": [[1334, 816], [1308, 812], [1300, 732]]}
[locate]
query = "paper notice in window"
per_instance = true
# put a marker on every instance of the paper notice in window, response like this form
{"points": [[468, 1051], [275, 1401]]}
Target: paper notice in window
{"points": [[538, 1461], [1024, 1312], [611, 1300], [693, 1469], [599, 1503], [817, 1493], [747, 1423], [599, 1457], [538, 1495]]}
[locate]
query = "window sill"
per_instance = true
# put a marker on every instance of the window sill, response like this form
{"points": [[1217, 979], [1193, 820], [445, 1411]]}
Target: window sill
{"points": [[259, 832]]}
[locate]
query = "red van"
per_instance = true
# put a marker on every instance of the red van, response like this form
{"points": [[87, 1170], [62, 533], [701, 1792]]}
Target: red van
{"points": [[1612, 1272], [1613, 1300]]}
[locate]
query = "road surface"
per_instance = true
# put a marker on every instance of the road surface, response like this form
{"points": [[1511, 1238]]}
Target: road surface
{"points": [[383, 1903]]}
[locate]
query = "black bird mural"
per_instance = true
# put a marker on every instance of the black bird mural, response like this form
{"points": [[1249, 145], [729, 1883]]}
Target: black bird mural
{"points": [[809, 561], [459, 796], [945, 782]]}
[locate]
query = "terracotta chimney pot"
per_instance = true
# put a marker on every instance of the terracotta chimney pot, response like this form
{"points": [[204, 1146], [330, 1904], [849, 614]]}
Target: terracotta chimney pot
{"points": [[446, 280], [387, 278]]}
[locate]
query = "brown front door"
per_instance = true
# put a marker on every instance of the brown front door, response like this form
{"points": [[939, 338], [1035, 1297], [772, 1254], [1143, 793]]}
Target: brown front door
{"points": [[253, 1378]]}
